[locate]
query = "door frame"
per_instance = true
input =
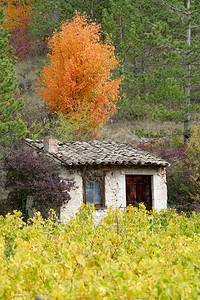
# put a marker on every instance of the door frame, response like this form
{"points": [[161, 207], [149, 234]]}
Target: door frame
{"points": [[151, 174]]}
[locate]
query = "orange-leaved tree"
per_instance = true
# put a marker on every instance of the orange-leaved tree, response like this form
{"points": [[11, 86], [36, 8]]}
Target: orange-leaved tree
{"points": [[77, 80], [18, 14]]}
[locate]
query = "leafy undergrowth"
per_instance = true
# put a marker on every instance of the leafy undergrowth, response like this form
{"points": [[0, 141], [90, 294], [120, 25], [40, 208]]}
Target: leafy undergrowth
{"points": [[149, 256]]}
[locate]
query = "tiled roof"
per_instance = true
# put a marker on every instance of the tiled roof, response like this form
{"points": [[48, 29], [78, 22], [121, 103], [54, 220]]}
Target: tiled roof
{"points": [[100, 153]]}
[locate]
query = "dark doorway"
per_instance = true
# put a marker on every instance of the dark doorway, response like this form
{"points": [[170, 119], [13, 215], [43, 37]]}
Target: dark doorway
{"points": [[138, 189]]}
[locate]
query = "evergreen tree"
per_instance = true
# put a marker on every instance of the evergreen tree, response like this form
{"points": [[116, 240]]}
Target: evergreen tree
{"points": [[46, 18], [178, 38], [11, 125], [127, 23], [158, 44], [49, 14]]}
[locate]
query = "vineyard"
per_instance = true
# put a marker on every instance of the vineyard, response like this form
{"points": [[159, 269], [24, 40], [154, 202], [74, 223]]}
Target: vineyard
{"points": [[131, 254]]}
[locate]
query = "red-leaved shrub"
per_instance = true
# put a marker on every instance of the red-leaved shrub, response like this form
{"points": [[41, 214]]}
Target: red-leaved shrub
{"points": [[181, 187], [37, 176]]}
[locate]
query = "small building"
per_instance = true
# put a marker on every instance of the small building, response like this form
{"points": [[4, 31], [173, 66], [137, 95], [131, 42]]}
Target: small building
{"points": [[107, 174]]}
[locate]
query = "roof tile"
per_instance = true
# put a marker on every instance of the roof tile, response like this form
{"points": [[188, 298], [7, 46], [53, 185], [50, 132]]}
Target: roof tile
{"points": [[100, 153]]}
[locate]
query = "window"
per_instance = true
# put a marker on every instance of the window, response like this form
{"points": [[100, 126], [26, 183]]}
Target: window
{"points": [[94, 190]]}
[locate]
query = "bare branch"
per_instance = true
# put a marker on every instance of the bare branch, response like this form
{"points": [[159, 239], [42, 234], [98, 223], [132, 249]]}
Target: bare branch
{"points": [[193, 50], [194, 11], [171, 47], [180, 10], [175, 8], [127, 49], [195, 60], [197, 26], [180, 34], [193, 74], [151, 23]]}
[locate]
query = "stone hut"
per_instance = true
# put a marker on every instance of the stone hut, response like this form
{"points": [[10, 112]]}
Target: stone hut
{"points": [[107, 174]]}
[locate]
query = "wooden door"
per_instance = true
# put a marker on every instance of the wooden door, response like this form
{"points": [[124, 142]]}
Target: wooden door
{"points": [[138, 189]]}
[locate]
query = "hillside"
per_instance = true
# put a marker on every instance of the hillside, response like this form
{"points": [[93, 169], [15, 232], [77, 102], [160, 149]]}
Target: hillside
{"points": [[121, 126], [153, 47]]}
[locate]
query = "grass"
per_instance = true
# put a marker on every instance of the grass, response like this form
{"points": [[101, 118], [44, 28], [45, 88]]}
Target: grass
{"points": [[124, 129]]}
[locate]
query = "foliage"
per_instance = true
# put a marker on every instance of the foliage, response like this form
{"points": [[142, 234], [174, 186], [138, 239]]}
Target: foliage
{"points": [[61, 128], [149, 38], [81, 261], [22, 45], [34, 175], [48, 15], [18, 14], [125, 22], [26, 49], [18, 19], [177, 90], [193, 146], [193, 154], [181, 186], [149, 134], [158, 44], [77, 79], [46, 18], [11, 125]]}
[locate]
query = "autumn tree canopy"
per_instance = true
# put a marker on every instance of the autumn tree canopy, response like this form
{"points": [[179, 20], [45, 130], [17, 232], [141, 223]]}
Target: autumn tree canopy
{"points": [[18, 14], [18, 17], [77, 79]]}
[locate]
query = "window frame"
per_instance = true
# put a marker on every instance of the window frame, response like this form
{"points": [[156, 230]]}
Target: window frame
{"points": [[95, 177]]}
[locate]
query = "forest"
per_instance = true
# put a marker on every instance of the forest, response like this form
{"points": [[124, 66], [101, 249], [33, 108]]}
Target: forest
{"points": [[83, 70]]}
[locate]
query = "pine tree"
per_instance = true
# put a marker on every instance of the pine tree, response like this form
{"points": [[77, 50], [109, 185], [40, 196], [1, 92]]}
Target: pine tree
{"points": [[178, 38], [49, 14], [124, 23], [11, 125], [158, 44]]}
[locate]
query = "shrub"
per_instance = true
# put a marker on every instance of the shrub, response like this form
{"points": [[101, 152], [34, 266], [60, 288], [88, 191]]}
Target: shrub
{"points": [[180, 183], [36, 176], [21, 44], [25, 48], [60, 127], [193, 154], [154, 256]]}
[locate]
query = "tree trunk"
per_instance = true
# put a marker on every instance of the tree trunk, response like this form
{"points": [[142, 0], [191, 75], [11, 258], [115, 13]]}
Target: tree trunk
{"points": [[187, 122], [91, 8], [121, 38]]}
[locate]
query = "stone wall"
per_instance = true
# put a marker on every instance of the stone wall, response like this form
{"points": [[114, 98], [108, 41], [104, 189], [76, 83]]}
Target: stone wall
{"points": [[115, 189]]}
